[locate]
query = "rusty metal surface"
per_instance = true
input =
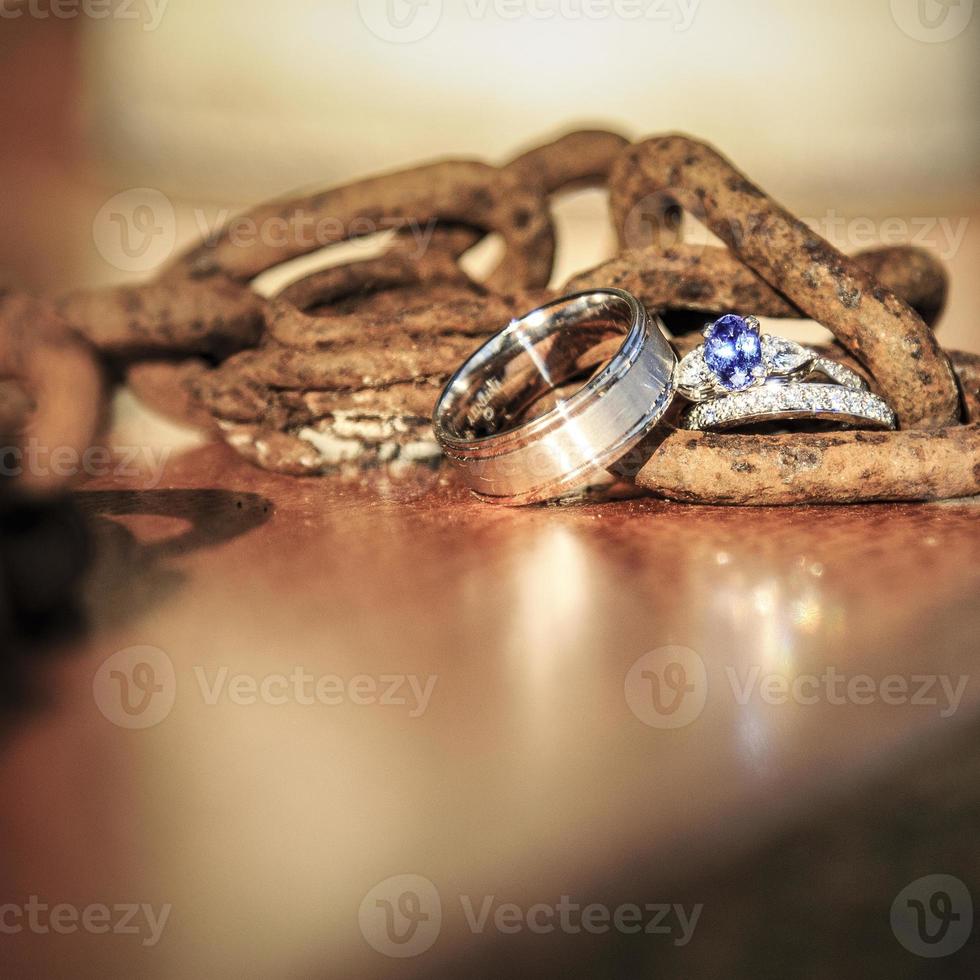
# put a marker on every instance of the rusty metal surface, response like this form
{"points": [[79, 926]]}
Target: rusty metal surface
{"points": [[342, 367]]}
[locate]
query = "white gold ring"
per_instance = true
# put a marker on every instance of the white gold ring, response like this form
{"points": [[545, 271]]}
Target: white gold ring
{"points": [[741, 376], [481, 418]]}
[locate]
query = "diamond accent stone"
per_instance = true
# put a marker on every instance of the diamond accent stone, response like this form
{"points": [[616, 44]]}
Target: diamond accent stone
{"points": [[733, 352], [692, 373], [781, 356]]}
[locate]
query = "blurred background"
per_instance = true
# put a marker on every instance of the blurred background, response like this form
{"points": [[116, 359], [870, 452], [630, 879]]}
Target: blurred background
{"points": [[132, 127], [862, 117]]}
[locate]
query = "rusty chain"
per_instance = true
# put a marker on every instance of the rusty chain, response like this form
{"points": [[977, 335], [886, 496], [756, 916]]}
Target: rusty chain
{"points": [[342, 366]]}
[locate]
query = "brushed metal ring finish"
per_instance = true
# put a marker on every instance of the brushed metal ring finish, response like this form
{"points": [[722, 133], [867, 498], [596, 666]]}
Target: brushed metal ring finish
{"points": [[480, 418]]}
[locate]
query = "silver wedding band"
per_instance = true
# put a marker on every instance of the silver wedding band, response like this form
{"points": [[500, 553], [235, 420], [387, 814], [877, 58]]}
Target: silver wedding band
{"points": [[479, 419]]}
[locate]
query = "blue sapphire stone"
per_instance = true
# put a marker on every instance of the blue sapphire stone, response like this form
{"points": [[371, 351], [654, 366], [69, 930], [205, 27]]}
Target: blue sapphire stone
{"points": [[732, 349]]}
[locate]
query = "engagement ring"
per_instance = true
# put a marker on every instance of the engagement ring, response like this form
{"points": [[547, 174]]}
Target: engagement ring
{"points": [[741, 376]]}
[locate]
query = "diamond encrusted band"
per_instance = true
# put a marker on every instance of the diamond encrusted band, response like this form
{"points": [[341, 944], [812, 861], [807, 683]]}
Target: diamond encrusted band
{"points": [[780, 401]]}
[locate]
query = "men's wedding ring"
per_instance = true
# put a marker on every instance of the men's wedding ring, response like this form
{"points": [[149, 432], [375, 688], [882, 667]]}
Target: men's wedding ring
{"points": [[488, 420]]}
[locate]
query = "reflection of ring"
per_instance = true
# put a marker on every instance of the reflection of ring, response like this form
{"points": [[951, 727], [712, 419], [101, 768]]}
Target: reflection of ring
{"points": [[740, 376], [479, 419]]}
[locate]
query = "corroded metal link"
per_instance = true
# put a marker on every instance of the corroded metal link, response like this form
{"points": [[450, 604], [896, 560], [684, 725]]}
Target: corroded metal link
{"points": [[870, 320], [55, 391]]}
